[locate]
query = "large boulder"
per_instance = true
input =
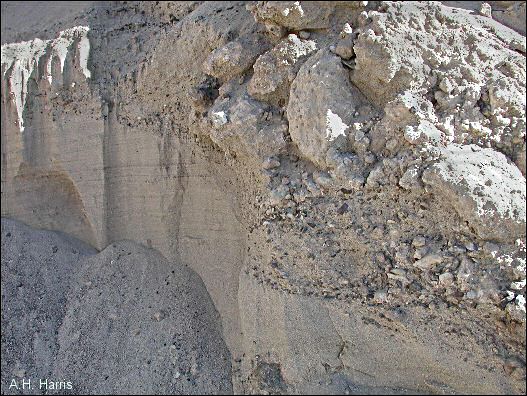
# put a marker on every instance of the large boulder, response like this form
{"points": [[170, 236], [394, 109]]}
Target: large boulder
{"points": [[473, 66], [486, 189], [321, 106], [233, 59]]}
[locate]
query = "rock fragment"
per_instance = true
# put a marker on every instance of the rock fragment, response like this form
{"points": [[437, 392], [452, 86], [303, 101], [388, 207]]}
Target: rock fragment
{"points": [[239, 126], [275, 70], [270, 163], [232, 59], [446, 279], [428, 262], [293, 15], [486, 10]]}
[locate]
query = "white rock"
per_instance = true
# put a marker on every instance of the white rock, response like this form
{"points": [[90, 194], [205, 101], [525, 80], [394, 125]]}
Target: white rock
{"points": [[486, 10]]}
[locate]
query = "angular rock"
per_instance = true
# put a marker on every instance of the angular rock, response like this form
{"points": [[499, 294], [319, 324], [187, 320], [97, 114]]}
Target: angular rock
{"points": [[239, 126], [344, 48], [202, 95], [410, 180], [446, 279], [275, 70], [428, 262], [270, 163], [232, 59]]}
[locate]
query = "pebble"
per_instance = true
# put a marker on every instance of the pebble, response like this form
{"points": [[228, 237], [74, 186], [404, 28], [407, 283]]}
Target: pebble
{"points": [[398, 271], [410, 179], [300, 195], [428, 261], [304, 34], [346, 30], [322, 178], [490, 248], [398, 274], [380, 296], [471, 246], [278, 195], [458, 249], [446, 85], [159, 316], [420, 253], [359, 135], [270, 163], [343, 209], [486, 10], [391, 144], [219, 119], [20, 373], [344, 48], [446, 279], [363, 19], [419, 241], [369, 158]]}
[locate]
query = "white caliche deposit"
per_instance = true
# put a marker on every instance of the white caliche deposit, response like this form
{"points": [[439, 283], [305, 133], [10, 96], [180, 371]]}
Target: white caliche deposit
{"points": [[296, 7], [334, 126], [296, 48], [22, 59]]}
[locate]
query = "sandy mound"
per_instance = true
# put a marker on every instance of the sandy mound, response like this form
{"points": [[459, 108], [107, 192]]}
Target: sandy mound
{"points": [[123, 320]]}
